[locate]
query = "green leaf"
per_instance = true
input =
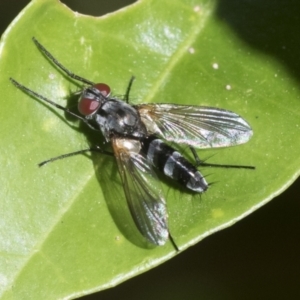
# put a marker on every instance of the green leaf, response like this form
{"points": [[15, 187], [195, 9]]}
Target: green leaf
{"points": [[63, 233]]}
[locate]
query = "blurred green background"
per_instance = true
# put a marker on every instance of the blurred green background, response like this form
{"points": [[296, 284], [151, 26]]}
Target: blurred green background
{"points": [[259, 257]]}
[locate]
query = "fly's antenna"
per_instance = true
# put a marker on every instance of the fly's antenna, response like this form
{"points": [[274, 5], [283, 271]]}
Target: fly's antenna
{"points": [[58, 64]]}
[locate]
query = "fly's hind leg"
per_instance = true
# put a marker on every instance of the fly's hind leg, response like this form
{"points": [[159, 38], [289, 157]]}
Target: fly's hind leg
{"points": [[201, 163]]}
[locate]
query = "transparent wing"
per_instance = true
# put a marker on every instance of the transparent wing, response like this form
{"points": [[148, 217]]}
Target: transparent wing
{"points": [[197, 126], [142, 190]]}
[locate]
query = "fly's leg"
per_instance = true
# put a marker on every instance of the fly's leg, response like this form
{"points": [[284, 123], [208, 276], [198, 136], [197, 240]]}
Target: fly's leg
{"points": [[126, 98], [91, 149], [58, 64], [41, 97], [173, 243], [201, 163]]}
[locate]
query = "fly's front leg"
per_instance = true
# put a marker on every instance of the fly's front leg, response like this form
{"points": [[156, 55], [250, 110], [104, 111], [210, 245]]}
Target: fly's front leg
{"points": [[126, 98]]}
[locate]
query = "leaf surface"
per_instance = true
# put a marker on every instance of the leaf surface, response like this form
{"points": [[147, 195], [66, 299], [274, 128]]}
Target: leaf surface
{"points": [[64, 228]]}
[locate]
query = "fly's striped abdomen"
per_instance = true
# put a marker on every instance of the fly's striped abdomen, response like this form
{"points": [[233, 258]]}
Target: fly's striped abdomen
{"points": [[173, 164]]}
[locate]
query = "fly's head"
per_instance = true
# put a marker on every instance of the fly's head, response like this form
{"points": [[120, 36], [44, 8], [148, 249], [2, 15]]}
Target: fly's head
{"points": [[92, 98]]}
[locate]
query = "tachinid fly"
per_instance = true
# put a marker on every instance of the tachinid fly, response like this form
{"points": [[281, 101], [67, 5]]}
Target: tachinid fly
{"points": [[137, 134]]}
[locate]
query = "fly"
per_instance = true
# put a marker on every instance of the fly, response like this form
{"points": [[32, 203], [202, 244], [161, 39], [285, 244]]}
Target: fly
{"points": [[137, 134]]}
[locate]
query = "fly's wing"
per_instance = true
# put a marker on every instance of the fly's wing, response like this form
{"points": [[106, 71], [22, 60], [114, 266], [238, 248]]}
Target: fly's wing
{"points": [[142, 190], [197, 126]]}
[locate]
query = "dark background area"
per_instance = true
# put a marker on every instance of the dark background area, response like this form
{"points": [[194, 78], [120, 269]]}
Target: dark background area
{"points": [[259, 257]]}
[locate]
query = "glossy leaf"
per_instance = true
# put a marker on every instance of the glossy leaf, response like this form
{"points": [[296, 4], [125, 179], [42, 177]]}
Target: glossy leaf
{"points": [[64, 228]]}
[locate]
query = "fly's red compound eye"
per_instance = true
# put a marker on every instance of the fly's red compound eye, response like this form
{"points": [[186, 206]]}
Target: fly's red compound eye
{"points": [[103, 88], [89, 103], [87, 106]]}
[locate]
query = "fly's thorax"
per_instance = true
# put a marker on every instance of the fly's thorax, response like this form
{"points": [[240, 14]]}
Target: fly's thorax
{"points": [[116, 117]]}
